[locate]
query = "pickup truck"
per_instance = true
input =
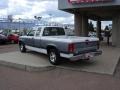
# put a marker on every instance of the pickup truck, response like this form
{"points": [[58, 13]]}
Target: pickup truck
{"points": [[53, 41]]}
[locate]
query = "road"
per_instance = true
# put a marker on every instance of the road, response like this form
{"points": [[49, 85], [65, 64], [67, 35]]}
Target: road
{"points": [[56, 79]]}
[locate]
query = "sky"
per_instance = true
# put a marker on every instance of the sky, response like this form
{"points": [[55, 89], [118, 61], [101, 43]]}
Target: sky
{"points": [[27, 9]]}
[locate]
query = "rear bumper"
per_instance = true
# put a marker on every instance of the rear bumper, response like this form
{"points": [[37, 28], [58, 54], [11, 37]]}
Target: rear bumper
{"points": [[81, 56]]}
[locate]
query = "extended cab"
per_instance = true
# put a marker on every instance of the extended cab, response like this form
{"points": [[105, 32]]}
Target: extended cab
{"points": [[52, 40]]}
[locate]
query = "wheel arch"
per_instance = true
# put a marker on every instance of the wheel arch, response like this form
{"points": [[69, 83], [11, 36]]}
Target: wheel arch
{"points": [[51, 47], [21, 42]]}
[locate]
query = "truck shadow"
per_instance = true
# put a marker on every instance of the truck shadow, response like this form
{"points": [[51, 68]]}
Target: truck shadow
{"points": [[79, 63], [66, 62]]}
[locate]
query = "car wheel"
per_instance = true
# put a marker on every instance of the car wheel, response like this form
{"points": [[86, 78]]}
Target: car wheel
{"points": [[54, 57], [22, 47], [12, 41]]}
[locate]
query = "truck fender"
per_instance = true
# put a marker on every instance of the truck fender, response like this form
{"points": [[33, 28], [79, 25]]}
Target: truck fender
{"points": [[51, 46]]}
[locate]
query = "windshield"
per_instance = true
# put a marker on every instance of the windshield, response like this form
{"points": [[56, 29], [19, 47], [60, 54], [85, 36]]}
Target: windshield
{"points": [[53, 31]]}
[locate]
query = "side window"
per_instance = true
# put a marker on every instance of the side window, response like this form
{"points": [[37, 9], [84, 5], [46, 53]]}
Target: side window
{"points": [[38, 32], [54, 31], [46, 31], [31, 33]]}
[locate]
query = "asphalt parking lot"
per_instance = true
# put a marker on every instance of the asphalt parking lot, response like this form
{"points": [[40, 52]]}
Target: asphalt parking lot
{"points": [[8, 48], [56, 79]]}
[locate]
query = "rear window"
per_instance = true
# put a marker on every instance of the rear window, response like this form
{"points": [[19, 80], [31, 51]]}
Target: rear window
{"points": [[53, 31]]}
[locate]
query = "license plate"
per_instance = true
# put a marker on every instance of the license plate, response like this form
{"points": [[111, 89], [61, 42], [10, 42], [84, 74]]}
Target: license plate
{"points": [[88, 55]]}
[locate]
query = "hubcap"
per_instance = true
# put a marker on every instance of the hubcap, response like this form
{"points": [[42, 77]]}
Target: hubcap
{"points": [[52, 57], [12, 41]]}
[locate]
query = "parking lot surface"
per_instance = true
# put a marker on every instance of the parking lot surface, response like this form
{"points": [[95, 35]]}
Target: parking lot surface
{"points": [[33, 61], [8, 48], [56, 79]]}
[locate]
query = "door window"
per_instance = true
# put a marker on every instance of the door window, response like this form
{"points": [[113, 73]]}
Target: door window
{"points": [[31, 33], [38, 32]]}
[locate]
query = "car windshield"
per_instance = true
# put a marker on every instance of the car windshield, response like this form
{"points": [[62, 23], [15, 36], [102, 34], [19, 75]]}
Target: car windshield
{"points": [[53, 31]]}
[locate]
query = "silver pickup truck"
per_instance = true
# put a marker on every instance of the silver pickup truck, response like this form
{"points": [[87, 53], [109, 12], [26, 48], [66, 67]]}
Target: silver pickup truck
{"points": [[53, 41]]}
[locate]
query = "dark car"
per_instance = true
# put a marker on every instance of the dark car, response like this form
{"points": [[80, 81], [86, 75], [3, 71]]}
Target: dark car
{"points": [[13, 38], [3, 39]]}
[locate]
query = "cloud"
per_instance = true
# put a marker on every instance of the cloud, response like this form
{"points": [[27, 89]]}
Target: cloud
{"points": [[106, 23], [18, 7], [3, 12], [27, 9], [64, 20], [47, 9], [3, 4]]}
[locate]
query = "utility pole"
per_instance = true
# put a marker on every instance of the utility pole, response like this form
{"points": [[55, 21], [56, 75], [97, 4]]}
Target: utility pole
{"points": [[19, 26]]}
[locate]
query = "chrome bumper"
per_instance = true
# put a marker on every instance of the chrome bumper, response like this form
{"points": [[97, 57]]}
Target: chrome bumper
{"points": [[81, 56]]}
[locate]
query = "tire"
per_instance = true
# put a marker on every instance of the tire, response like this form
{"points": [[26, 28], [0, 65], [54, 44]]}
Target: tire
{"points": [[22, 47], [12, 41], [54, 57]]}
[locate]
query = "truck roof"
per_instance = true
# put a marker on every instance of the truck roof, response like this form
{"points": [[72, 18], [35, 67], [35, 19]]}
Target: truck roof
{"points": [[36, 27], [49, 26]]}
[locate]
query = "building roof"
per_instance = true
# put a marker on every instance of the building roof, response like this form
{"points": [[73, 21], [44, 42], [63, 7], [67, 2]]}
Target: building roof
{"points": [[104, 10]]}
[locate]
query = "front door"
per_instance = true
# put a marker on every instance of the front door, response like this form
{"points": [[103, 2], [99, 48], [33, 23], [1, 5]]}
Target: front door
{"points": [[37, 38], [30, 38]]}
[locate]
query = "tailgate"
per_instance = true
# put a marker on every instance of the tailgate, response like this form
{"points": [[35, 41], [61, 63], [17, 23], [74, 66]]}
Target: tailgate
{"points": [[85, 47]]}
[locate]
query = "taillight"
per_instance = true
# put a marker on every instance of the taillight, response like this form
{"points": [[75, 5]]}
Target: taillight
{"points": [[71, 47]]}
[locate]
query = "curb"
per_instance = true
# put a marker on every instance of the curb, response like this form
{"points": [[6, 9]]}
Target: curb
{"points": [[27, 67]]}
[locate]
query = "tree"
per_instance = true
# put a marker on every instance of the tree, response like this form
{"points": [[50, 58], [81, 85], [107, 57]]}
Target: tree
{"points": [[91, 26], [24, 31]]}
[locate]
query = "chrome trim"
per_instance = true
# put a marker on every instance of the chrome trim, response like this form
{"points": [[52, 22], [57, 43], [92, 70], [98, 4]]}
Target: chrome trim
{"points": [[40, 50], [80, 56], [66, 55]]}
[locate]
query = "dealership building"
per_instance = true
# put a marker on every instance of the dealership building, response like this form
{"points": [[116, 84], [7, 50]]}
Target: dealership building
{"points": [[97, 10]]}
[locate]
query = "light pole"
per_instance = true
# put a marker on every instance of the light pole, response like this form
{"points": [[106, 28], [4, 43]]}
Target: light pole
{"points": [[50, 21], [50, 16], [19, 26], [37, 18]]}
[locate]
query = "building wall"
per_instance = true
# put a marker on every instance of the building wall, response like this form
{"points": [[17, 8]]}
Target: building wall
{"points": [[116, 31], [81, 25], [64, 4]]}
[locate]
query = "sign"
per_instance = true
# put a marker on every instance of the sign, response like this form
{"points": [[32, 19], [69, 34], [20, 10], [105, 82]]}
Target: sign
{"points": [[87, 1]]}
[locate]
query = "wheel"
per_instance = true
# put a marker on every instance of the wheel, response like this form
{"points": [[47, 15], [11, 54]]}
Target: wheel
{"points": [[22, 47], [54, 57], [12, 41]]}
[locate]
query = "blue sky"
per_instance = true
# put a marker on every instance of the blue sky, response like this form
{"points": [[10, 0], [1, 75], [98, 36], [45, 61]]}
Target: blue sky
{"points": [[48, 9]]}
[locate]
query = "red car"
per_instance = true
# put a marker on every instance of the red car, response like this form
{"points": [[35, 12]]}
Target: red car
{"points": [[13, 38]]}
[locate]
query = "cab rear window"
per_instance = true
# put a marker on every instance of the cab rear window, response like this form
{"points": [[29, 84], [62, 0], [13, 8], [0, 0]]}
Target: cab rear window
{"points": [[53, 31]]}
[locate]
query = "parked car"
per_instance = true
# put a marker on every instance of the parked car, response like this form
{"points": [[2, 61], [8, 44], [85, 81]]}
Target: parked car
{"points": [[13, 38], [3, 39], [52, 40]]}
